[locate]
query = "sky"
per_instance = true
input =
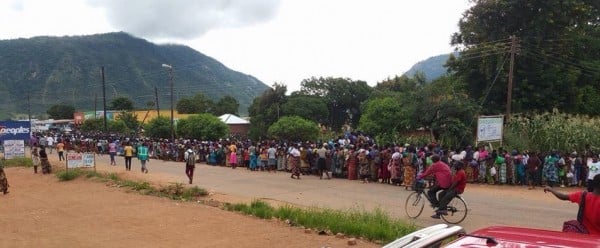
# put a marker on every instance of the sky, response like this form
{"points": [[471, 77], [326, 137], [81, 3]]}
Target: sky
{"points": [[283, 41]]}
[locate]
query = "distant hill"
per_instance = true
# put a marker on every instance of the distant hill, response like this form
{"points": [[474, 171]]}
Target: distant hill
{"points": [[67, 70], [432, 67]]}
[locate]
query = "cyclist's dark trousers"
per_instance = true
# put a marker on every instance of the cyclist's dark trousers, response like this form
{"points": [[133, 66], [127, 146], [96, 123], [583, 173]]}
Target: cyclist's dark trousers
{"points": [[445, 198], [432, 193]]}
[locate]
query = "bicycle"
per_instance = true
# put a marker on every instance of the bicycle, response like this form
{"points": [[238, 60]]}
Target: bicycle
{"points": [[415, 202]]}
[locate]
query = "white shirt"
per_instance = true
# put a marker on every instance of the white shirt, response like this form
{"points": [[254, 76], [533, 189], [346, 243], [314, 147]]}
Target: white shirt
{"points": [[50, 141], [594, 170], [294, 152]]}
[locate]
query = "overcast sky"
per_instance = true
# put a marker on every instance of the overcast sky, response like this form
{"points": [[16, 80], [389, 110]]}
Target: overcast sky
{"points": [[282, 41]]}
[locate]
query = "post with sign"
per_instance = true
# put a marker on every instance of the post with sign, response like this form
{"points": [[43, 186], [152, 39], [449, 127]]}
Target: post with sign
{"points": [[490, 128], [81, 160]]}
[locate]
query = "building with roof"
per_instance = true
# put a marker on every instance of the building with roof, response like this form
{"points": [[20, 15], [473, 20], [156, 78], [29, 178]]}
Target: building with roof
{"points": [[237, 125]]}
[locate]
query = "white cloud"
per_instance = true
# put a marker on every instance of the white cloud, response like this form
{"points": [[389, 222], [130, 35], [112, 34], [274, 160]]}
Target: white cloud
{"points": [[183, 19]]}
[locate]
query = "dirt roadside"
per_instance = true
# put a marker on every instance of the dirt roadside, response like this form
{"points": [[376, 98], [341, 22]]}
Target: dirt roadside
{"points": [[39, 211]]}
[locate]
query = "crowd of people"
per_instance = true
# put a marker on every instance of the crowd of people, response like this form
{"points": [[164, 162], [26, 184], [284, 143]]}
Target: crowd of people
{"points": [[355, 157]]}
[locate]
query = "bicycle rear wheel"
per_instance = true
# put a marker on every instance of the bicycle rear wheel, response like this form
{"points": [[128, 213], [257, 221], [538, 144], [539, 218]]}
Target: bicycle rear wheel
{"points": [[414, 204], [457, 211]]}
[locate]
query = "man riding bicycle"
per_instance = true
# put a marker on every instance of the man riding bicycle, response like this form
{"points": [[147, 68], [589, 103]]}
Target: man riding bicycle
{"points": [[459, 182], [443, 179]]}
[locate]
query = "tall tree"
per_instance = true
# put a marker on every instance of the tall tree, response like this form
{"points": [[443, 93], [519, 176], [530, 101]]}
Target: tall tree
{"points": [[309, 107], [61, 111], [121, 103], [343, 96], [266, 110], [558, 53], [196, 104], [203, 127], [226, 105]]}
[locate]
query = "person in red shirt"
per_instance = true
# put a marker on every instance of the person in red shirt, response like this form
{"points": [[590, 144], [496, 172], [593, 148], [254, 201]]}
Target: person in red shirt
{"points": [[443, 178], [459, 182], [591, 215]]}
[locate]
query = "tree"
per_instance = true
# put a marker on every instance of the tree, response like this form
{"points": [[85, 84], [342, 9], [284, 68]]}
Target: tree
{"points": [[309, 107], [558, 53], [444, 108], [343, 97], [196, 104], [226, 105], [121, 103], [61, 111], [92, 125], [294, 128], [382, 116], [118, 126], [159, 127], [130, 120], [202, 127], [265, 110]]}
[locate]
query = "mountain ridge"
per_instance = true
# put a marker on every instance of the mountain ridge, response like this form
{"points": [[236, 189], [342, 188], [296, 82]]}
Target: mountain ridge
{"points": [[66, 70]]}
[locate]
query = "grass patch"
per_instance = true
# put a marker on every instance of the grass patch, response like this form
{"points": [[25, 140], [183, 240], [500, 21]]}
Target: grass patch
{"points": [[376, 225], [17, 162], [68, 175]]}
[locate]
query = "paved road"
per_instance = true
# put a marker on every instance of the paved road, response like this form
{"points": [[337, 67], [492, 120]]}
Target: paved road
{"points": [[489, 205]]}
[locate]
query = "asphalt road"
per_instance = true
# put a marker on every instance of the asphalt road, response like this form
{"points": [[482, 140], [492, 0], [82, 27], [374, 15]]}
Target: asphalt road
{"points": [[488, 205]]}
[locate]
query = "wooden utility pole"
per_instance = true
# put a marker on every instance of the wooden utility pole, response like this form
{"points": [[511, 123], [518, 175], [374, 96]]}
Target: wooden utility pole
{"points": [[156, 100], [104, 97], [513, 49]]}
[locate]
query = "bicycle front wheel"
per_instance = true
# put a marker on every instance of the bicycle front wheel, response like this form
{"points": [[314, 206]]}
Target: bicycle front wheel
{"points": [[457, 211], [414, 204]]}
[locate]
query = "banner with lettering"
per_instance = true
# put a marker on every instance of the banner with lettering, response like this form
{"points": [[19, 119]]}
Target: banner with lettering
{"points": [[14, 130]]}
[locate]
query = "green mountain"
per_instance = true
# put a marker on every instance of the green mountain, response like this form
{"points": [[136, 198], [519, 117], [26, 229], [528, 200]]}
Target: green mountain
{"points": [[432, 67], [53, 70]]}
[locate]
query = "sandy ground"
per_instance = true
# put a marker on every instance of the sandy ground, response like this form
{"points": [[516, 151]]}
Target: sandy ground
{"points": [[39, 211]]}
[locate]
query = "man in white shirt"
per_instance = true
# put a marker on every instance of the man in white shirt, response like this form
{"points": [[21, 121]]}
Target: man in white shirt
{"points": [[50, 143], [593, 170]]}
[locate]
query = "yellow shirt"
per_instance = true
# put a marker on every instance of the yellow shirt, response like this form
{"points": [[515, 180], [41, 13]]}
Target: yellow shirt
{"points": [[60, 147], [128, 150]]}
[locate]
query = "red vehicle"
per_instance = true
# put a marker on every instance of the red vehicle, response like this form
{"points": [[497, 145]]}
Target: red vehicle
{"points": [[443, 235]]}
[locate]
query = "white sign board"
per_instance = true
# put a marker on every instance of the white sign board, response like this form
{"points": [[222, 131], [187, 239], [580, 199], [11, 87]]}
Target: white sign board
{"points": [[489, 128], [76, 160], [14, 149]]}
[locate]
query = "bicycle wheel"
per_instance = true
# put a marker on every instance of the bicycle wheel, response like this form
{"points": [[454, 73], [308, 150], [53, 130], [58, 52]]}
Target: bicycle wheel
{"points": [[457, 211], [414, 204]]}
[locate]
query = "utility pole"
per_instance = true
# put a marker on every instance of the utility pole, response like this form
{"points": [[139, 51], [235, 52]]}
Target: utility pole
{"points": [[156, 100], [95, 104], [170, 69], [513, 49], [104, 98], [29, 114]]}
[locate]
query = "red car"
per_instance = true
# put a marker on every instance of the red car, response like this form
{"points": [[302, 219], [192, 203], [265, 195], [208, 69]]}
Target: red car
{"points": [[443, 235]]}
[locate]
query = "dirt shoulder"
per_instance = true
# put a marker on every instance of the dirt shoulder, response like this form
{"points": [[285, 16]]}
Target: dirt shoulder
{"points": [[39, 211]]}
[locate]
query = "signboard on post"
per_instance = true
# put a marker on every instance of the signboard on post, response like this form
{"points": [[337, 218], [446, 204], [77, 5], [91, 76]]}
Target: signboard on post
{"points": [[78, 160], [14, 130], [489, 128], [14, 149]]}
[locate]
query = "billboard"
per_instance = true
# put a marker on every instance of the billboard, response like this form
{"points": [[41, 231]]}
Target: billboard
{"points": [[14, 130], [489, 128], [14, 149], [77, 160]]}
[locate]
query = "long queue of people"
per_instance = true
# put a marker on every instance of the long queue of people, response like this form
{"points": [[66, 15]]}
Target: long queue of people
{"points": [[355, 157]]}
